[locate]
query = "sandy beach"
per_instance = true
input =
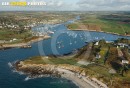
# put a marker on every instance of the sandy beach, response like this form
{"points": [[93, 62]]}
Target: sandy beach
{"points": [[70, 72], [80, 80]]}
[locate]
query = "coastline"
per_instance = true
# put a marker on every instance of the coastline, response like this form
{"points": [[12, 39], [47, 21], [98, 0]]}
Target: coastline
{"points": [[76, 74], [27, 44], [79, 82], [23, 45], [99, 32]]}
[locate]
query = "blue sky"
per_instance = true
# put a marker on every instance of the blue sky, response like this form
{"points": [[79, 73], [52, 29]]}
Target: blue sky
{"points": [[72, 5]]}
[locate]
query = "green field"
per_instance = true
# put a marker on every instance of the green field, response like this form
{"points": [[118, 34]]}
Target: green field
{"points": [[50, 60], [8, 35], [106, 25]]}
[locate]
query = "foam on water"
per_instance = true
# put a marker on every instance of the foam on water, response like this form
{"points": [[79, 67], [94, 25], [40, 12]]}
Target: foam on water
{"points": [[10, 64]]}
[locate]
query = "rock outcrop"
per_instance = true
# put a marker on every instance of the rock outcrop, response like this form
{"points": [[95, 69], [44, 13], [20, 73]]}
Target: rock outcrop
{"points": [[43, 69]]}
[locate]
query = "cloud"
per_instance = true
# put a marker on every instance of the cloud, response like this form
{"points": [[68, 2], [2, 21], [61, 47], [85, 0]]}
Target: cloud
{"points": [[75, 5], [60, 5], [98, 5]]}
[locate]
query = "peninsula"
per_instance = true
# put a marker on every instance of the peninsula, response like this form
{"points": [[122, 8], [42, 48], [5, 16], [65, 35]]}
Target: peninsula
{"points": [[106, 66]]}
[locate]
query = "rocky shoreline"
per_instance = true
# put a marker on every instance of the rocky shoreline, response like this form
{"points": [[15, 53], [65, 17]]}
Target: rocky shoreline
{"points": [[74, 73]]}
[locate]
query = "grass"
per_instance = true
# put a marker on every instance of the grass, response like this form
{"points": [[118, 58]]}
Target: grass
{"points": [[73, 26], [7, 35], [99, 69], [113, 26], [103, 53], [106, 25], [50, 60], [63, 61], [34, 60]]}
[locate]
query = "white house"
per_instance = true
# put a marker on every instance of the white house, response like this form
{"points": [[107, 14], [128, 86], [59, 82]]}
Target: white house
{"points": [[122, 45], [125, 62], [109, 41], [14, 39], [98, 56], [1, 27], [97, 43]]}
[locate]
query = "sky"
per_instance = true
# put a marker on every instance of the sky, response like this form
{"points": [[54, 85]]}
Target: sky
{"points": [[71, 5]]}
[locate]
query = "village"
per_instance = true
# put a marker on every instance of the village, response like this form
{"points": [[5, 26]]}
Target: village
{"points": [[16, 27]]}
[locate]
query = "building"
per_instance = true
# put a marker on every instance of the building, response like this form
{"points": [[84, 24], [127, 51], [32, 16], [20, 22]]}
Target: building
{"points": [[125, 62], [109, 41], [112, 71], [122, 45], [97, 43], [98, 56], [1, 26]]}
